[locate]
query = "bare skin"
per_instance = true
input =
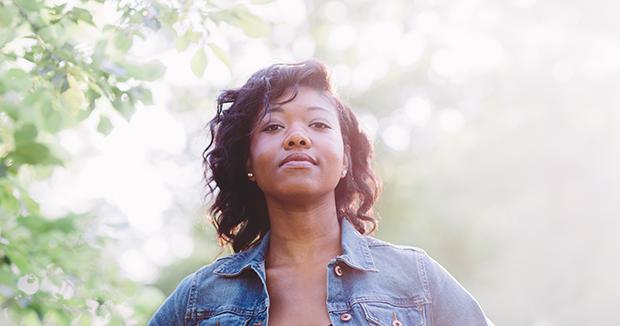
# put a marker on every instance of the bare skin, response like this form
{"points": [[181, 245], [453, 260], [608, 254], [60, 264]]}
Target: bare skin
{"points": [[301, 245], [300, 198]]}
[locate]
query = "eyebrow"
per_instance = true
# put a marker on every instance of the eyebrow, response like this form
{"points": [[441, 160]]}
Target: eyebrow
{"points": [[309, 108]]}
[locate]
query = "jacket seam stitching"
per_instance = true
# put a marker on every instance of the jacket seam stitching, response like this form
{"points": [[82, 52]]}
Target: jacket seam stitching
{"points": [[414, 249], [191, 307], [425, 285]]}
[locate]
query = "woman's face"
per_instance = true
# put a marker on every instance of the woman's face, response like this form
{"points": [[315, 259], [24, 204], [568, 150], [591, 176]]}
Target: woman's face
{"points": [[297, 148]]}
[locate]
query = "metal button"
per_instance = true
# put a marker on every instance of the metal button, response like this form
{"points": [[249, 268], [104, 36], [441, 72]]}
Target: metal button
{"points": [[338, 270], [395, 321], [345, 317]]}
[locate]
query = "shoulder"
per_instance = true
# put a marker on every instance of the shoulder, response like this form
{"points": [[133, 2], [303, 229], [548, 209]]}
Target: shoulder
{"points": [[398, 255], [449, 300], [192, 280], [410, 263], [381, 244], [176, 309], [381, 249], [415, 260]]}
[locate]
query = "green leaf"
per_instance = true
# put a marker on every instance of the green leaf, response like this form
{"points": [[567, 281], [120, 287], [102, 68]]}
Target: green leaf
{"points": [[123, 42], [93, 92], [27, 133], [220, 54], [59, 9], [147, 96], [83, 114], [169, 17], [34, 153], [182, 42], [125, 108], [53, 120], [99, 53], [30, 5], [80, 14], [94, 89], [251, 24], [65, 84], [10, 204], [17, 80], [123, 103], [11, 110], [6, 35], [72, 99], [39, 224], [30, 204], [6, 16], [108, 27], [199, 62], [20, 261], [143, 94], [149, 71], [186, 39], [105, 125], [194, 36], [56, 13]]}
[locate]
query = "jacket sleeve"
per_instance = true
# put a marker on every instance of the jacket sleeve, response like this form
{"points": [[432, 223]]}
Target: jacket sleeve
{"points": [[451, 304], [174, 309]]}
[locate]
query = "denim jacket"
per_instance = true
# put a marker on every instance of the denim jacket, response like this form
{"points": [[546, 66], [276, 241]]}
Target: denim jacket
{"points": [[371, 283]]}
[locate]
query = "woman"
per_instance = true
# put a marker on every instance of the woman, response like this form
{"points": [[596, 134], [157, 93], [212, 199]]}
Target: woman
{"points": [[291, 173]]}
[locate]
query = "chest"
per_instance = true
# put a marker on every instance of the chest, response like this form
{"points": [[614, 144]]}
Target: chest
{"points": [[298, 295], [341, 296]]}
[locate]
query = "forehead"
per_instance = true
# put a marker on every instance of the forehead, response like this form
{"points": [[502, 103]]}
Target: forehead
{"points": [[306, 99]]}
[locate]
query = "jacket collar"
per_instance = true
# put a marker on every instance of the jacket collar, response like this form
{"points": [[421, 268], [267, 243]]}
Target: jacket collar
{"points": [[356, 253]]}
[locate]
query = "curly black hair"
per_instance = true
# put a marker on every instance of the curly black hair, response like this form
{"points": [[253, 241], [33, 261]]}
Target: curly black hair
{"points": [[239, 211]]}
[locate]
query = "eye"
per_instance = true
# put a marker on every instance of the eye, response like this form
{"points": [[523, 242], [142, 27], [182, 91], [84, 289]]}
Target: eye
{"points": [[320, 125], [272, 127]]}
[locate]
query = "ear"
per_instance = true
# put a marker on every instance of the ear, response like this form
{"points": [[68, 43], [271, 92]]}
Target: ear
{"points": [[249, 170]]}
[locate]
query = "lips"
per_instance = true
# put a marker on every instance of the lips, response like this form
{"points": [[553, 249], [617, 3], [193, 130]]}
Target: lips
{"points": [[298, 157]]}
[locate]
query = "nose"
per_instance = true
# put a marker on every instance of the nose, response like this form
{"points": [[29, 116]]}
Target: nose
{"points": [[297, 139]]}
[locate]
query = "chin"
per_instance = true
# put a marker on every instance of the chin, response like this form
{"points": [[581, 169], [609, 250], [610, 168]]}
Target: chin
{"points": [[301, 188], [296, 191]]}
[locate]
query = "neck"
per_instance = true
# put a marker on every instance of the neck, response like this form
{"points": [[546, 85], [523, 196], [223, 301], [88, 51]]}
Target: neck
{"points": [[303, 234]]}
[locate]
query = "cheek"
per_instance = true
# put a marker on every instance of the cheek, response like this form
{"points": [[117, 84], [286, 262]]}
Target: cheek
{"points": [[260, 153], [337, 148], [333, 154]]}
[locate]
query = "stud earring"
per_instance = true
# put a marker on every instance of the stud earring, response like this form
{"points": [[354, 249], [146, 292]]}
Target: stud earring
{"points": [[343, 174], [250, 175]]}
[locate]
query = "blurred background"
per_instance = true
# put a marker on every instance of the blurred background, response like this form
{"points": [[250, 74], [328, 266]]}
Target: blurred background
{"points": [[495, 126]]}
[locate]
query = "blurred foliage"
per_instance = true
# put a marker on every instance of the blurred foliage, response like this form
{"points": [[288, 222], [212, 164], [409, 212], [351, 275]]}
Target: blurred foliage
{"points": [[482, 114], [59, 65]]}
